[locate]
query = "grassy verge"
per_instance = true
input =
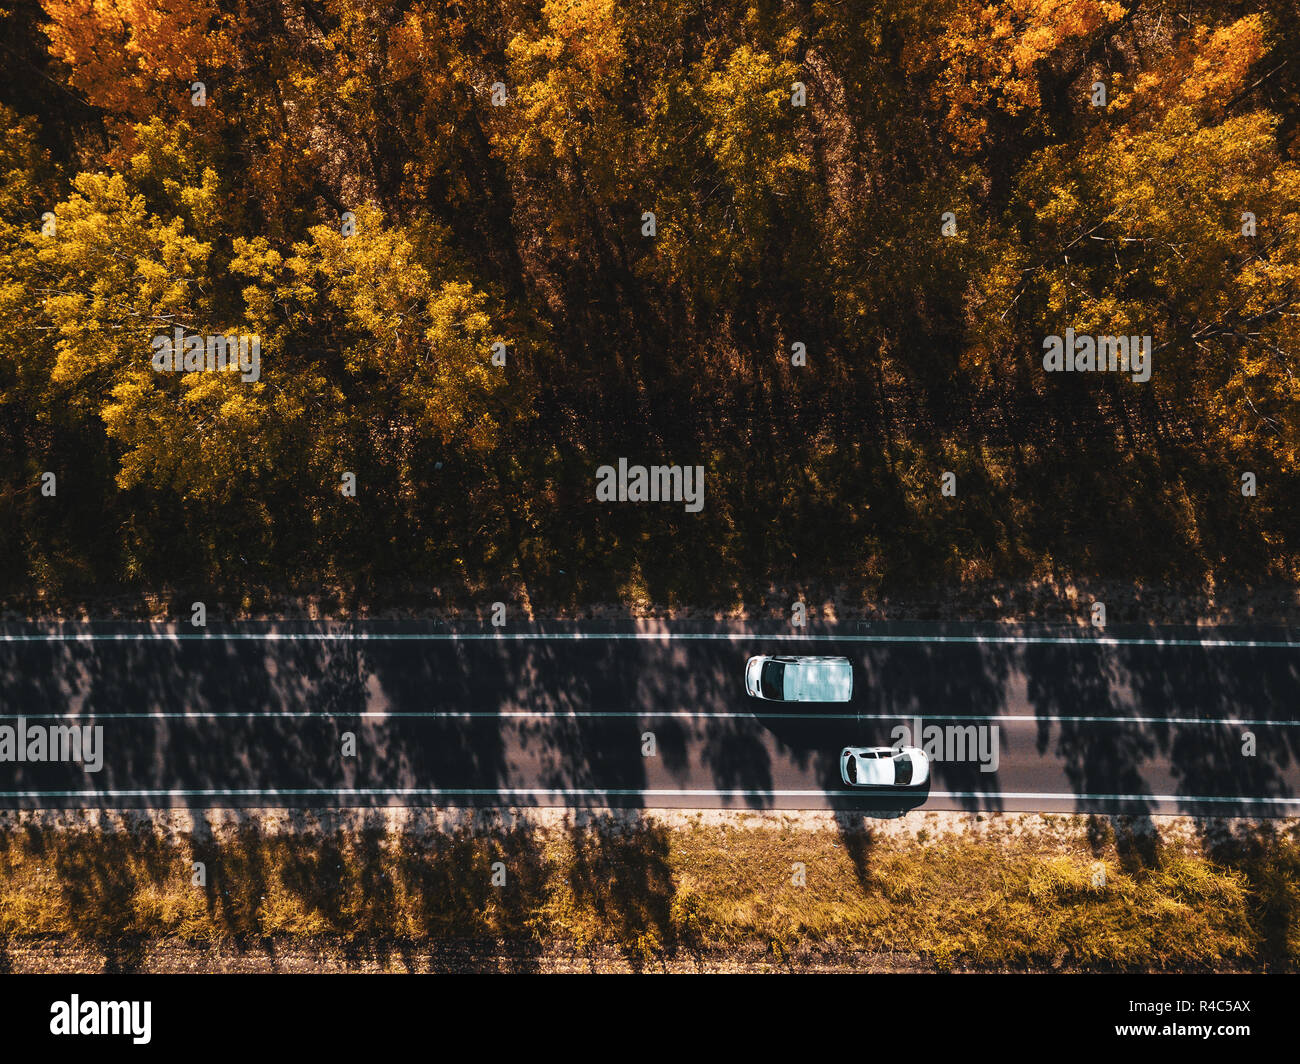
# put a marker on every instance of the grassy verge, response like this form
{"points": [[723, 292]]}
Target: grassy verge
{"points": [[934, 891]]}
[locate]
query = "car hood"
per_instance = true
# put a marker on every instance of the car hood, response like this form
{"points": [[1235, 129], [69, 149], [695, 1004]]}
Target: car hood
{"points": [[920, 766]]}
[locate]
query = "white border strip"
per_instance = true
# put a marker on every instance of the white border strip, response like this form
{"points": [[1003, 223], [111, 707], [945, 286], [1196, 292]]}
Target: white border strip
{"points": [[589, 792], [651, 715]]}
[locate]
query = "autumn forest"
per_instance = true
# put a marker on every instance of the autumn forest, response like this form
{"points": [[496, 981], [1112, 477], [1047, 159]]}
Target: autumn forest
{"points": [[486, 248]]}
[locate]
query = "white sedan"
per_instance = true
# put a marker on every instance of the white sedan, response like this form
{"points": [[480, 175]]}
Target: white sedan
{"points": [[799, 679], [884, 766]]}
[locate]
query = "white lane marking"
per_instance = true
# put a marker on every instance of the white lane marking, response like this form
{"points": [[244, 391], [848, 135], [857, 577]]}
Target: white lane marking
{"points": [[616, 714], [547, 792], [1039, 796], [382, 637]]}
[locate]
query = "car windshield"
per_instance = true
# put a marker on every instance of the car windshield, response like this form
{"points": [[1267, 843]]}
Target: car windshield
{"points": [[903, 770], [771, 682]]}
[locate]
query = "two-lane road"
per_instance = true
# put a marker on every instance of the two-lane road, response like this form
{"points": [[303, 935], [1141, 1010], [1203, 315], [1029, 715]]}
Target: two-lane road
{"points": [[261, 716]]}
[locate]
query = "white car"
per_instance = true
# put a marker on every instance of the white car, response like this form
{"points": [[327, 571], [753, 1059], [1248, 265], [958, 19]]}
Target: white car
{"points": [[799, 679], [884, 766]]}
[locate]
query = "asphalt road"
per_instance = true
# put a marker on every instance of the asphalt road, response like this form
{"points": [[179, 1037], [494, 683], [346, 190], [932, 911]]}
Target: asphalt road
{"points": [[1148, 723]]}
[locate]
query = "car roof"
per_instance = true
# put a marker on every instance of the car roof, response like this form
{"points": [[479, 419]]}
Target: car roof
{"points": [[819, 680], [879, 771]]}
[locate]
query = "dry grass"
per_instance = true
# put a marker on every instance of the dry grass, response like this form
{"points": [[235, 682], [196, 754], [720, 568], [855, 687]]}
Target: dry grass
{"points": [[655, 890]]}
